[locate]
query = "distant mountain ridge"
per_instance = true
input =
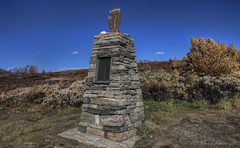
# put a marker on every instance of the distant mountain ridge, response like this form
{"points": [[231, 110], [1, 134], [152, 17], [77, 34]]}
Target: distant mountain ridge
{"points": [[4, 72]]}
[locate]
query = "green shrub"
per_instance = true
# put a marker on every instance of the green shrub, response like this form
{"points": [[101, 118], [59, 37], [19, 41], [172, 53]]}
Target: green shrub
{"points": [[162, 85], [212, 89]]}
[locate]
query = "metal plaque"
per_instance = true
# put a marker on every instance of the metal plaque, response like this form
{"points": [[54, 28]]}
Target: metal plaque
{"points": [[103, 69]]}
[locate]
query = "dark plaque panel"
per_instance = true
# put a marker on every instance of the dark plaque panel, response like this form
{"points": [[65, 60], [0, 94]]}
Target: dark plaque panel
{"points": [[103, 69]]}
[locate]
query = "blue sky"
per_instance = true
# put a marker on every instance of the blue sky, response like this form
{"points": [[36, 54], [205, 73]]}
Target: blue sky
{"points": [[58, 34]]}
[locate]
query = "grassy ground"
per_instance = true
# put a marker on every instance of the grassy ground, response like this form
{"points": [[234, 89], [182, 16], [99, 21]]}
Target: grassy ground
{"points": [[37, 126], [182, 124], [168, 124]]}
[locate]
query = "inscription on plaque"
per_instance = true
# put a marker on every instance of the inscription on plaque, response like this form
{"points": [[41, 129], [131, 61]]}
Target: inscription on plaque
{"points": [[103, 69]]}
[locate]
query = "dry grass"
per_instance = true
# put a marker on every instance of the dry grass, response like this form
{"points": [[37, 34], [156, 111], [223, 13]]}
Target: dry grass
{"points": [[163, 118], [38, 126]]}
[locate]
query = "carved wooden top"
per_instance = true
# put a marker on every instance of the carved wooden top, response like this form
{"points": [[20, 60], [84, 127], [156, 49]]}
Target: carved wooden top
{"points": [[114, 19]]}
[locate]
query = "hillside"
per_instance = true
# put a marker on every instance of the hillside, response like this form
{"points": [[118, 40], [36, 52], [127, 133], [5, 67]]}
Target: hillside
{"points": [[4, 72], [154, 65], [28, 113], [10, 82]]}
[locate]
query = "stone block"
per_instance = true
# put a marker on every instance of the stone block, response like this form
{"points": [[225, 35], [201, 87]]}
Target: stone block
{"points": [[139, 91], [118, 97], [128, 97], [115, 77], [131, 72], [111, 102], [137, 98], [93, 61], [89, 80], [136, 83], [137, 116], [89, 84], [113, 92], [105, 96], [135, 77], [120, 112], [132, 133], [138, 124], [107, 107], [130, 92], [96, 132], [89, 106], [113, 50], [138, 109], [82, 129], [87, 117], [128, 120], [119, 67], [95, 88], [97, 126], [92, 65], [115, 59], [129, 111], [133, 106], [86, 100], [121, 59], [90, 118], [97, 120], [139, 103], [119, 137], [124, 78], [100, 111], [112, 88], [134, 87], [116, 54], [114, 84], [91, 74], [96, 91], [117, 63], [112, 120], [87, 95], [115, 129]]}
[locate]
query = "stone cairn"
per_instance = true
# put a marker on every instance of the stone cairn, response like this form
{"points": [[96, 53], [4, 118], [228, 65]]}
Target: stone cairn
{"points": [[112, 105]]}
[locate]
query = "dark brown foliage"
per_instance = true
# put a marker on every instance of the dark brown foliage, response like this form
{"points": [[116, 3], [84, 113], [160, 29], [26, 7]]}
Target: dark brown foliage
{"points": [[154, 65], [10, 82]]}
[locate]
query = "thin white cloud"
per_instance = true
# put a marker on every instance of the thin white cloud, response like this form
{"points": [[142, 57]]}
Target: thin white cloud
{"points": [[11, 68], [39, 52], [160, 53], [73, 68], [75, 52]]}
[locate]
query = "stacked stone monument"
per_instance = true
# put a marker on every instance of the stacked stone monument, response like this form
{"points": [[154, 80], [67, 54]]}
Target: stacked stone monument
{"points": [[112, 105]]}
